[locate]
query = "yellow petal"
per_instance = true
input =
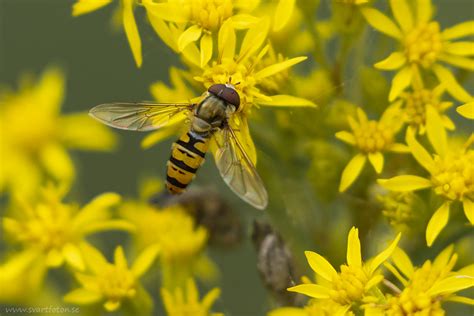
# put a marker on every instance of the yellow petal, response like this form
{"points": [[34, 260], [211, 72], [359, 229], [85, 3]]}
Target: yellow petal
{"points": [[466, 110], [192, 34], [210, 298], [86, 6], [354, 256], [276, 68], [145, 260], [243, 21], [93, 258], [160, 26], [468, 206], [393, 61], [376, 279], [399, 148], [172, 12], [352, 171], [286, 100], [287, 311], [424, 11], [401, 80], [119, 258], [452, 86], [96, 210], [157, 137], [79, 131], [403, 14], [458, 61], [131, 31], [403, 262], [54, 258], [226, 40], [459, 48], [82, 297], [283, 12], [381, 22], [57, 162], [206, 49], [320, 265], [254, 38], [116, 224], [436, 134], [405, 183], [112, 305], [73, 256], [437, 223], [242, 132], [346, 137], [460, 299], [459, 30], [384, 255], [451, 284], [312, 290], [418, 151], [377, 160]]}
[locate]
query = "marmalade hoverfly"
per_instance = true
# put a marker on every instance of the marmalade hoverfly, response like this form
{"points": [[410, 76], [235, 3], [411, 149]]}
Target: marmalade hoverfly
{"points": [[208, 119]]}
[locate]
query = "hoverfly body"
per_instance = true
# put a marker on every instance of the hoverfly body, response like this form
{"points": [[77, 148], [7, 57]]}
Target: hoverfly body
{"points": [[208, 119]]}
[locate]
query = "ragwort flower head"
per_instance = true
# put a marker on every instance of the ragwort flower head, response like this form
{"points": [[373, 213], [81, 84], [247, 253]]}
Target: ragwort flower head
{"points": [[403, 210], [371, 138], [451, 176], [35, 136], [111, 283], [184, 301], [128, 20], [426, 287], [314, 308], [54, 230], [356, 279], [423, 45]]}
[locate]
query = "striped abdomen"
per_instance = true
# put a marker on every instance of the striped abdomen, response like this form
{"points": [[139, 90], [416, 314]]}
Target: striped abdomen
{"points": [[187, 155]]}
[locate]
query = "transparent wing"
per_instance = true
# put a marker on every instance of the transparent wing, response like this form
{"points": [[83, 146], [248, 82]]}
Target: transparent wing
{"points": [[143, 116], [237, 169]]}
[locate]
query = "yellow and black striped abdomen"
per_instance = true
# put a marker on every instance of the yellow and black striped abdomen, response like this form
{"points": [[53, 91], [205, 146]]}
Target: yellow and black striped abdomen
{"points": [[187, 155]]}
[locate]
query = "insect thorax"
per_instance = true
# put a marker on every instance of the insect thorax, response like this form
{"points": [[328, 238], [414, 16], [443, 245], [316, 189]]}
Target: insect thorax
{"points": [[209, 114]]}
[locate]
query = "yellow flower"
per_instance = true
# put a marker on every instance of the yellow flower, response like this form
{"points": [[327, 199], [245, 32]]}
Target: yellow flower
{"points": [[55, 230], [314, 308], [451, 177], [128, 21], [355, 281], [112, 283], [21, 276], [244, 71], [184, 301], [200, 20], [426, 287], [34, 136], [467, 110], [371, 138], [403, 210], [423, 45], [182, 243], [416, 102]]}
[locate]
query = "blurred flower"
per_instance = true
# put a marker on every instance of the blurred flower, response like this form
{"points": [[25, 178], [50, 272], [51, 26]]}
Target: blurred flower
{"points": [[428, 286], [181, 242], [416, 102], [451, 177], [371, 138], [34, 136], [355, 282], [423, 45], [184, 301], [128, 21], [54, 230], [111, 283], [467, 110], [21, 275]]}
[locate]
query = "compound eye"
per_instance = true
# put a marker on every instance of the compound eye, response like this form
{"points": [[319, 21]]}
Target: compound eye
{"points": [[231, 96], [216, 89]]}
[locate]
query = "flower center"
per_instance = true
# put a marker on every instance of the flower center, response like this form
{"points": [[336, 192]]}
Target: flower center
{"points": [[117, 283], [399, 209], [349, 285], [416, 103], [245, 84], [210, 14], [411, 303], [372, 136], [453, 176], [423, 44]]}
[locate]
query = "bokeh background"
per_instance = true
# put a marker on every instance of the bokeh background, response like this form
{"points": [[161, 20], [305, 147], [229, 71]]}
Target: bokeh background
{"points": [[99, 68]]}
